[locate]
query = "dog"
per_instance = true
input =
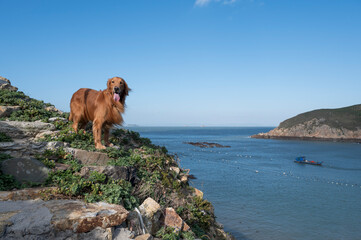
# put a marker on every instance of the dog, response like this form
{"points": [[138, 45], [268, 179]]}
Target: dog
{"points": [[103, 108]]}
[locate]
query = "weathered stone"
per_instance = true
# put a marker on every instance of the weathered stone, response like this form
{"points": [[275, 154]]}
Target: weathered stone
{"points": [[53, 109], [25, 170], [151, 213], [114, 172], [122, 233], [170, 218], [175, 169], [81, 217], [6, 111], [22, 148], [184, 179], [59, 219], [21, 130], [144, 237], [54, 119], [25, 194], [6, 84], [198, 193], [89, 158], [134, 223]]}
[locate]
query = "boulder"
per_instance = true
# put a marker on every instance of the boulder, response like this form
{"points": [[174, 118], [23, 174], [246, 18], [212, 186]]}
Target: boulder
{"points": [[25, 194], [89, 158], [5, 84], [24, 130], [53, 109], [25, 169], [114, 172], [170, 218], [198, 193], [59, 219], [83, 217], [6, 111], [27, 149], [151, 213]]}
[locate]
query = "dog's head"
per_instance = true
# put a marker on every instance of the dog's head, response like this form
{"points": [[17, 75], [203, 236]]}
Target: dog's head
{"points": [[118, 88]]}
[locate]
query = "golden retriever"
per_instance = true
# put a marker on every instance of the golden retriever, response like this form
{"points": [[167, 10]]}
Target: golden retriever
{"points": [[103, 108]]}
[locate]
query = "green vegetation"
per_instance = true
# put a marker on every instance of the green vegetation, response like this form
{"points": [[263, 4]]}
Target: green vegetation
{"points": [[30, 109], [347, 117], [5, 138], [152, 163]]}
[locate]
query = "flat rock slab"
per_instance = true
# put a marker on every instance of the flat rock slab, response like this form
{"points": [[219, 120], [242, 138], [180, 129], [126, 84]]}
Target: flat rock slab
{"points": [[81, 217], [25, 169], [89, 158], [58, 219], [21, 130]]}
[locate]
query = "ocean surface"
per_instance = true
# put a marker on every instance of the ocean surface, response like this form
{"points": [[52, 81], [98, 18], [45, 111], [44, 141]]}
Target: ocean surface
{"points": [[259, 192]]}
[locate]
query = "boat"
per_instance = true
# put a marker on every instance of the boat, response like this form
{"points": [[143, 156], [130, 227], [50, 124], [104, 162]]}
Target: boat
{"points": [[303, 160]]}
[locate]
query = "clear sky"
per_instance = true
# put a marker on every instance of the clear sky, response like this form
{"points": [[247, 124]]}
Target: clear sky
{"points": [[189, 62]]}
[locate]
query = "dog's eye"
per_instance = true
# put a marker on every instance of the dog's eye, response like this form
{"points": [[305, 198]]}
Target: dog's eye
{"points": [[112, 81]]}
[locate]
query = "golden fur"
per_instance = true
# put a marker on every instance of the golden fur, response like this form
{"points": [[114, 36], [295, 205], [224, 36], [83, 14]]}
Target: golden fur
{"points": [[103, 108]]}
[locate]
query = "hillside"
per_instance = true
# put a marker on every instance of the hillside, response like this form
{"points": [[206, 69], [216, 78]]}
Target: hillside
{"points": [[341, 124], [132, 190]]}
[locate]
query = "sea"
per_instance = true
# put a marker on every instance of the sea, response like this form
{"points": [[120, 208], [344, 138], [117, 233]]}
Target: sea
{"points": [[257, 189]]}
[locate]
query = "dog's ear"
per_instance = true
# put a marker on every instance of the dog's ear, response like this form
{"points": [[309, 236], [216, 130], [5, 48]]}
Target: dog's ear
{"points": [[125, 92], [109, 84]]}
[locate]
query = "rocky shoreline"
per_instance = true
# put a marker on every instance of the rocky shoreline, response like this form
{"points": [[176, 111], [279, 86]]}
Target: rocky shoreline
{"points": [[55, 185], [314, 130]]}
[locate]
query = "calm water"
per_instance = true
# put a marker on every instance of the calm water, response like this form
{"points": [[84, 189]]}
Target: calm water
{"points": [[259, 192]]}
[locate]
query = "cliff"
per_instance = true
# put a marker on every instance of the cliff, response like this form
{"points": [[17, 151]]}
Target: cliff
{"points": [[55, 185], [341, 124]]}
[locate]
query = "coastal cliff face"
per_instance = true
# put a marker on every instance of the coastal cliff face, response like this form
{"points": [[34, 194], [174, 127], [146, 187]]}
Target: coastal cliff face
{"points": [[55, 185], [342, 124]]}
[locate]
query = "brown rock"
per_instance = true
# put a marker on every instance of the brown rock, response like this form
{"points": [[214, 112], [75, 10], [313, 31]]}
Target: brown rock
{"points": [[198, 193], [184, 179], [6, 111], [84, 217], [6, 84], [172, 219], [144, 237], [149, 207], [24, 194], [89, 158]]}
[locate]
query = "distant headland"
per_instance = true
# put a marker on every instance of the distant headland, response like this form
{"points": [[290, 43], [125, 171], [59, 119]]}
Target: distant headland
{"points": [[341, 124]]}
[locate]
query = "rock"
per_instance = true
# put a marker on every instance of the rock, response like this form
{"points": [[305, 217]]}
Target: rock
{"points": [[144, 237], [54, 119], [53, 109], [175, 169], [184, 179], [198, 193], [25, 194], [151, 213], [25, 170], [89, 158], [59, 219], [22, 148], [5, 84], [134, 224], [149, 207], [206, 145], [170, 218], [21, 130], [114, 172], [6, 111], [122, 233], [83, 217]]}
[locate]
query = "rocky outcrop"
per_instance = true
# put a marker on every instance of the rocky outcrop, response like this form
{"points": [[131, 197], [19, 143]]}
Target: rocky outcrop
{"points": [[5, 84], [170, 218], [25, 130], [89, 158], [6, 111], [59, 219], [313, 129], [25, 170], [207, 145]]}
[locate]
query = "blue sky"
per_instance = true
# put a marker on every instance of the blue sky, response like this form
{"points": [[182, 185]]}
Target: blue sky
{"points": [[189, 62]]}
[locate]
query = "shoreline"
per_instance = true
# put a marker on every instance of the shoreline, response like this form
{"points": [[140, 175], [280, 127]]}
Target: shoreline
{"points": [[348, 140]]}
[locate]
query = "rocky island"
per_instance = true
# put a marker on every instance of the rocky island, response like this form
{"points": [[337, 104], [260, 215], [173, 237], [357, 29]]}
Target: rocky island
{"points": [[341, 124], [55, 185]]}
